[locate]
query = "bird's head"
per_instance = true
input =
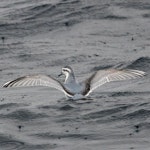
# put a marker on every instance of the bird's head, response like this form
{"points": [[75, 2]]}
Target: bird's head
{"points": [[67, 71]]}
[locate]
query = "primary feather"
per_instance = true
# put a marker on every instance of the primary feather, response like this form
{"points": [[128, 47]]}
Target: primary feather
{"points": [[35, 80], [104, 76]]}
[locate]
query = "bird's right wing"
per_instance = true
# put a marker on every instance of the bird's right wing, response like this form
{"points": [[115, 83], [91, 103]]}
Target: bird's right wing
{"points": [[35, 80]]}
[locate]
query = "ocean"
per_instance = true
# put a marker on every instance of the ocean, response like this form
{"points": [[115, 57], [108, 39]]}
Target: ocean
{"points": [[41, 37]]}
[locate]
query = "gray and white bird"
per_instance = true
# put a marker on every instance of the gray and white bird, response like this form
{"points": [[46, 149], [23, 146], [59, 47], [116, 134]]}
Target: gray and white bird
{"points": [[71, 87]]}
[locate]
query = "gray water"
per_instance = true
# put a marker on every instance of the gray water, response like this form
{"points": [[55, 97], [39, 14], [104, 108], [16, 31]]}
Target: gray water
{"points": [[43, 36]]}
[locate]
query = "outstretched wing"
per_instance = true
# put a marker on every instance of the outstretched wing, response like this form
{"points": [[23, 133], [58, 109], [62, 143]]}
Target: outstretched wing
{"points": [[104, 76], [35, 80]]}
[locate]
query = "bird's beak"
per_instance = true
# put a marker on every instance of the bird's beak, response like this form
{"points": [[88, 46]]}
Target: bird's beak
{"points": [[60, 74]]}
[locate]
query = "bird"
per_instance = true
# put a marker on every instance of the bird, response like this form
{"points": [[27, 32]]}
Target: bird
{"points": [[71, 87]]}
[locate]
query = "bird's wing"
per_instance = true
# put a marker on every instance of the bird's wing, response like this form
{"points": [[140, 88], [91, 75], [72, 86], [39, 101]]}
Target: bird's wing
{"points": [[104, 76], [35, 80]]}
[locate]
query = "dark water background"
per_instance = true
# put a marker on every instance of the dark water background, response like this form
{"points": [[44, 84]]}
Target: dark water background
{"points": [[41, 37]]}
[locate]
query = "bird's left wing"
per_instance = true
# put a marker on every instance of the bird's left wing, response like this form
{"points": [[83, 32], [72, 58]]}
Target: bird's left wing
{"points": [[104, 76]]}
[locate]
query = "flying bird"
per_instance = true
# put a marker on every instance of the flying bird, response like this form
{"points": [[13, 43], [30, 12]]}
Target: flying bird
{"points": [[71, 87]]}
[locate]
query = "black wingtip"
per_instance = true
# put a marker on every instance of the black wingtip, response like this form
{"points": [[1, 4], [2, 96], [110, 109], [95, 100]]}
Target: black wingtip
{"points": [[11, 83], [6, 85]]}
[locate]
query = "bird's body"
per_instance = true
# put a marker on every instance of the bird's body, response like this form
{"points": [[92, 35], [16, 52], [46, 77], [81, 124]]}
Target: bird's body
{"points": [[71, 87]]}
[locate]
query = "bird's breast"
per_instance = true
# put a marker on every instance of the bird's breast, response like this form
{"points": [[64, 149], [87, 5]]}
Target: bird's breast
{"points": [[74, 88]]}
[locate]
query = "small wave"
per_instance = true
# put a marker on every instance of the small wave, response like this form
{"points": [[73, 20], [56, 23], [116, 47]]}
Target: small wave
{"points": [[66, 134], [66, 107], [40, 7], [8, 105], [10, 145], [23, 115], [38, 146], [101, 67], [142, 113], [142, 63], [70, 60], [48, 107], [106, 112], [136, 5], [38, 11], [7, 143], [118, 94], [146, 15], [114, 17]]}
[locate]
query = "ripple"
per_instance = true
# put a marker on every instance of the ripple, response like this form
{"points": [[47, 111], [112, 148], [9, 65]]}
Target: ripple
{"points": [[67, 134], [146, 15], [23, 115], [106, 112], [135, 4], [142, 113], [67, 107], [117, 94], [113, 17], [10, 145], [7, 143], [39, 147], [8, 105], [142, 63]]}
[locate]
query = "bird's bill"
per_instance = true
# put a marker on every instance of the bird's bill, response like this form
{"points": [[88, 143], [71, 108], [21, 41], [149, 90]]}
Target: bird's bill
{"points": [[60, 74]]}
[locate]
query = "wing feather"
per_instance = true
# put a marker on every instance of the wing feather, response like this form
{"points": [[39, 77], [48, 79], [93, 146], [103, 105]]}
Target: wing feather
{"points": [[35, 80], [104, 76]]}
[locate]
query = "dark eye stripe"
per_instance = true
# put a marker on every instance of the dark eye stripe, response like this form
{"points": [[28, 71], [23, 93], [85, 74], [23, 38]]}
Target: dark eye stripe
{"points": [[66, 70]]}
